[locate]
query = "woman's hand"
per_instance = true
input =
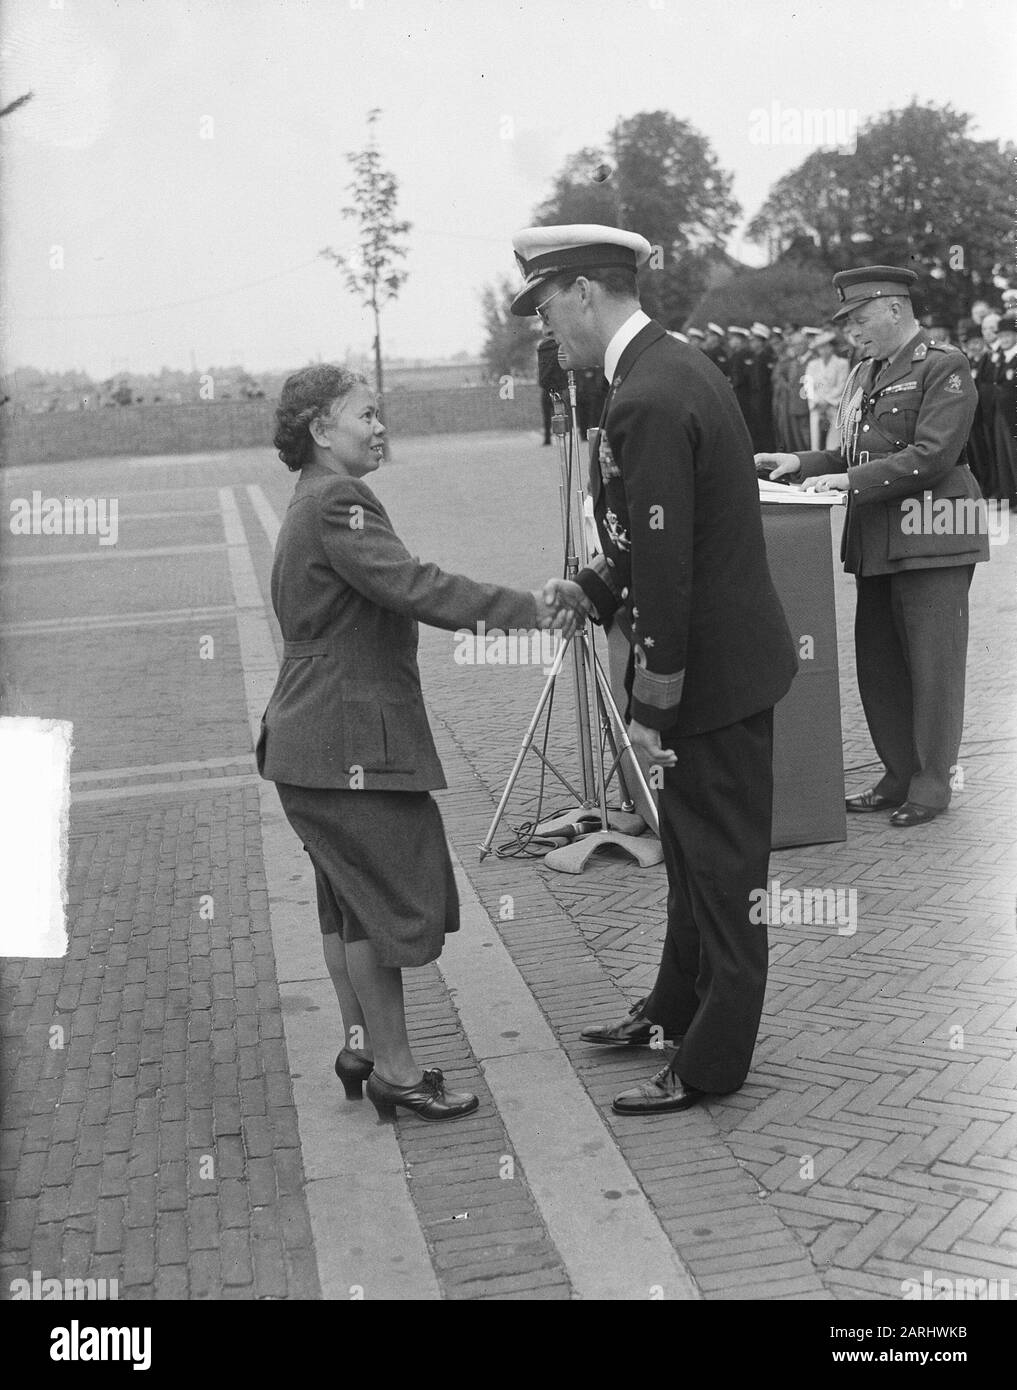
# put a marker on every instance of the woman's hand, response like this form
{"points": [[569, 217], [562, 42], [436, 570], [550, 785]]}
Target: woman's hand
{"points": [[568, 605]]}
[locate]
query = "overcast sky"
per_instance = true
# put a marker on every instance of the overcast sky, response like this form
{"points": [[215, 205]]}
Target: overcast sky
{"points": [[481, 101]]}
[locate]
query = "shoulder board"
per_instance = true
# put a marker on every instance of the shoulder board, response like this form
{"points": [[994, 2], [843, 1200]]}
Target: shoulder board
{"points": [[943, 347]]}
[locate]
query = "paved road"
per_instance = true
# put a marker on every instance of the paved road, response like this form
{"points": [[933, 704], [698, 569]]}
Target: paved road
{"points": [[189, 1140]]}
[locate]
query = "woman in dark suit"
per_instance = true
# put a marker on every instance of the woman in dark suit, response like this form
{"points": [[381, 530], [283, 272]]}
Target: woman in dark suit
{"points": [[345, 736]]}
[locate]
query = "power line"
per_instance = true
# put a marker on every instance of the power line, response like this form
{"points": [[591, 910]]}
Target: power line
{"points": [[176, 304], [221, 294]]}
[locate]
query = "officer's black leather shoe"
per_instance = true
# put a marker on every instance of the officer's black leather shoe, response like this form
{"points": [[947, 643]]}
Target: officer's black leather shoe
{"points": [[871, 801], [662, 1093], [913, 814], [634, 1030]]}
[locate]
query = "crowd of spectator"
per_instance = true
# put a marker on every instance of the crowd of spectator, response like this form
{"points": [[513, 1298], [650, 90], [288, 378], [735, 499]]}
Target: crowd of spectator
{"points": [[788, 380]]}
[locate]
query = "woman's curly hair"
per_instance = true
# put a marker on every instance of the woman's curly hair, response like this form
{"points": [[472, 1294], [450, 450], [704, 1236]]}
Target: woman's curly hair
{"points": [[306, 395]]}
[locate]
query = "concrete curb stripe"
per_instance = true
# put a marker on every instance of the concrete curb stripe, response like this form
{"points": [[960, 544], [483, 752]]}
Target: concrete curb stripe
{"points": [[188, 788], [153, 769], [265, 514], [90, 622], [110, 552], [606, 1232], [368, 1242]]}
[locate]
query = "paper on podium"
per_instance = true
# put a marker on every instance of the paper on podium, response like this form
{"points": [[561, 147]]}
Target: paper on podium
{"points": [[796, 495]]}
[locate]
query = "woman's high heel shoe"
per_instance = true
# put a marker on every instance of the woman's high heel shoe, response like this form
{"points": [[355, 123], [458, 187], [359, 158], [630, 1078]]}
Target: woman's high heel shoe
{"points": [[353, 1070], [428, 1099]]}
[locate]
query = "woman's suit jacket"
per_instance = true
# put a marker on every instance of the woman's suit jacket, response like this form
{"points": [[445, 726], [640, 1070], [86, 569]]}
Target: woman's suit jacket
{"points": [[347, 710]]}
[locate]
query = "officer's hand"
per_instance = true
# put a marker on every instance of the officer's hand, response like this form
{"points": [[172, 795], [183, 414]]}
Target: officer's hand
{"points": [[828, 482], [648, 742], [779, 464]]}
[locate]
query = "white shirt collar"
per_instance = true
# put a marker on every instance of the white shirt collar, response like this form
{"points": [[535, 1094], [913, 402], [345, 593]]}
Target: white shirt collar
{"points": [[1010, 353], [634, 324]]}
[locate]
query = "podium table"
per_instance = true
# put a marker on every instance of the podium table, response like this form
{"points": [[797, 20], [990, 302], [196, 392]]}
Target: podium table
{"points": [[808, 761]]}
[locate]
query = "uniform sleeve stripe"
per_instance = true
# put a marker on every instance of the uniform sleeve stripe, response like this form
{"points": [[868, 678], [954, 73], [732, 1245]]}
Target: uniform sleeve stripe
{"points": [[659, 692]]}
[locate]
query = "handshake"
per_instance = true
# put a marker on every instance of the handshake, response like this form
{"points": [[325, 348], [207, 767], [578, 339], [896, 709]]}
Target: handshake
{"points": [[562, 606]]}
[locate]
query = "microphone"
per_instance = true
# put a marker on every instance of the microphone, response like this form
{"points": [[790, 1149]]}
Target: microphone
{"points": [[563, 359]]}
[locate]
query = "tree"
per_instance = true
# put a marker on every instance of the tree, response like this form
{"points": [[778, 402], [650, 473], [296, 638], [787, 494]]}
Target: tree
{"points": [[371, 271], [658, 176], [777, 294], [907, 195], [511, 346]]}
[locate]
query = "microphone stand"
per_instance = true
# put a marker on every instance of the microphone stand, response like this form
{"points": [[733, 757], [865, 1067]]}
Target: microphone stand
{"points": [[587, 676]]}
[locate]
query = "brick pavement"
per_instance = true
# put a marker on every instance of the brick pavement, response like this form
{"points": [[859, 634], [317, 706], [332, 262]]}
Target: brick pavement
{"points": [[872, 1141], [860, 1077]]}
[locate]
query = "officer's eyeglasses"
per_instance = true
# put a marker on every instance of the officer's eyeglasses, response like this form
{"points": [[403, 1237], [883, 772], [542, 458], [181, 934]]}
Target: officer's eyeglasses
{"points": [[540, 307]]}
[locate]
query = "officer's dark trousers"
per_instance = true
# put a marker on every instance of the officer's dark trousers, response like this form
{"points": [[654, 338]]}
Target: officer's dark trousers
{"points": [[911, 643], [715, 814]]}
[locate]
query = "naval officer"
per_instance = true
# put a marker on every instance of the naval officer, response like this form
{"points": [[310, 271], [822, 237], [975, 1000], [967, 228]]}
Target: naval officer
{"points": [[684, 574]]}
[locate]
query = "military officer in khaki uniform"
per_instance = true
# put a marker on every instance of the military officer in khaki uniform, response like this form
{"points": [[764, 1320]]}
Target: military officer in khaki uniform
{"points": [[915, 529]]}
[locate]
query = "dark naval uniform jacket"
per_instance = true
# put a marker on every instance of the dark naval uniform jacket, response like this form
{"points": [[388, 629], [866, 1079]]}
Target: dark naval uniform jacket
{"points": [[348, 597], [904, 431], [683, 569]]}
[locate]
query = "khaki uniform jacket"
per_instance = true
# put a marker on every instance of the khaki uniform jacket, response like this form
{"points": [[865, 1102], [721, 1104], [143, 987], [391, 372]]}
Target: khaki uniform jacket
{"points": [[904, 434], [347, 710]]}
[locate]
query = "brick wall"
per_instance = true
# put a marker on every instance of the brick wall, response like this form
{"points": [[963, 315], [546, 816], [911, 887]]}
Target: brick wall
{"points": [[204, 427]]}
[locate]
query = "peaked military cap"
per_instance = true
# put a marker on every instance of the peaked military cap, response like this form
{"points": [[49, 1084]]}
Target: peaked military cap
{"points": [[859, 286], [544, 252]]}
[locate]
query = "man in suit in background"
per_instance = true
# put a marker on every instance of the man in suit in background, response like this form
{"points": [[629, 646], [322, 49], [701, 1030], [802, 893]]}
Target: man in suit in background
{"points": [[761, 388], [912, 536], [981, 442], [1004, 413], [551, 379], [740, 360], [684, 575]]}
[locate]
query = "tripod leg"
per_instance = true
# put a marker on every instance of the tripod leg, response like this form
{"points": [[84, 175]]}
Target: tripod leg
{"points": [[545, 695], [622, 734], [589, 658], [582, 668]]}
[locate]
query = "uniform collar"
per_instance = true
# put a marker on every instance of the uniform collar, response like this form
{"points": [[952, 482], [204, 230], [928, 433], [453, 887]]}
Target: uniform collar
{"points": [[914, 350], [634, 324]]}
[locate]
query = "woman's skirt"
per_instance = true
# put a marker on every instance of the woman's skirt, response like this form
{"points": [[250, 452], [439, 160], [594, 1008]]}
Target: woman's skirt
{"points": [[382, 868]]}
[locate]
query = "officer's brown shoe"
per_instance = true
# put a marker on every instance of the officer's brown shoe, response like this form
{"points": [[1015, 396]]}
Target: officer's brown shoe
{"points": [[871, 801], [662, 1093], [913, 814], [635, 1030]]}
